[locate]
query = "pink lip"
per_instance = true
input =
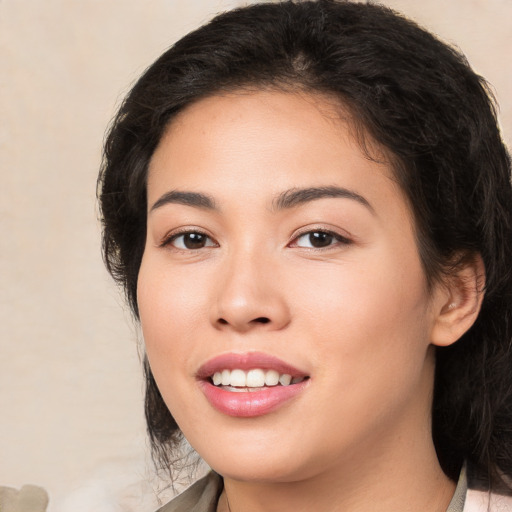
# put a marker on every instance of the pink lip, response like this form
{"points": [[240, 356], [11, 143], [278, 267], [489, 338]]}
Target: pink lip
{"points": [[247, 404]]}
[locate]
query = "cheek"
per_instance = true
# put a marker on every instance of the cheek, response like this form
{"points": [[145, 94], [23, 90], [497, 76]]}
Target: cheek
{"points": [[370, 318], [370, 349], [170, 305], [366, 294]]}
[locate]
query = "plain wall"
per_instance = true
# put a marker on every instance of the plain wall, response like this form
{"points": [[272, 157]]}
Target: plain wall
{"points": [[70, 379]]}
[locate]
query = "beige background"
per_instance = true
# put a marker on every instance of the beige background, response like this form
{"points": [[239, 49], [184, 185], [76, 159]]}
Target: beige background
{"points": [[70, 385]]}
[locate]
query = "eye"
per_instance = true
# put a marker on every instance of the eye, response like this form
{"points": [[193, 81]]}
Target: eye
{"points": [[319, 239], [190, 240]]}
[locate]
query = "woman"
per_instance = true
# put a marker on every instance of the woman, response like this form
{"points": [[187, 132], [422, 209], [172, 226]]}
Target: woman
{"points": [[309, 207]]}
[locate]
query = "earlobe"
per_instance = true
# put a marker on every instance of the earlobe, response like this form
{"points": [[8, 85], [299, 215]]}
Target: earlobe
{"points": [[459, 301]]}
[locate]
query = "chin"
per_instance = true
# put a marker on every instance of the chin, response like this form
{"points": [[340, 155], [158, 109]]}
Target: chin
{"points": [[262, 471], [252, 461]]}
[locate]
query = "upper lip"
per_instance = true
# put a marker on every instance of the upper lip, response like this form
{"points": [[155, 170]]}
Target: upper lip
{"points": [[247, 361]]}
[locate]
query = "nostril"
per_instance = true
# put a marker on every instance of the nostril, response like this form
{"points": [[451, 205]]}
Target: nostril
{"points": [[259, 320], [262, 320]]}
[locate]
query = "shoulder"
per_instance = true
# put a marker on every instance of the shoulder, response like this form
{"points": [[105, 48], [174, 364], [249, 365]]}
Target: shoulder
{"points": [[202, 496], [481, 501]]}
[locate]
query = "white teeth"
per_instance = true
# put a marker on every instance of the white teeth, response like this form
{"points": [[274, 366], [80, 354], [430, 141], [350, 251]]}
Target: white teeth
{"points": [[271, 378], [285, 379], [226, 377], [238, 379], [256, 378]]}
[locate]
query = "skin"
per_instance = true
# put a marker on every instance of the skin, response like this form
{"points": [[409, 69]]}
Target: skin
{"points": [[355, 315]]}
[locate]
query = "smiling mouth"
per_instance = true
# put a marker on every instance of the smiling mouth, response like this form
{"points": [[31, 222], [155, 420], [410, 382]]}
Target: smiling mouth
{"points": [[251, 384], [238, 380]]}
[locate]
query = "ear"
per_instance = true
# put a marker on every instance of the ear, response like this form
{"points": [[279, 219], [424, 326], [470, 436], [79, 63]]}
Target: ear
{"points": [[457, 301]]}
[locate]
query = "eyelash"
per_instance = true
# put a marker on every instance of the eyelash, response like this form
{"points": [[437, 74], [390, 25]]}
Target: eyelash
{"points": [[337, 238]]}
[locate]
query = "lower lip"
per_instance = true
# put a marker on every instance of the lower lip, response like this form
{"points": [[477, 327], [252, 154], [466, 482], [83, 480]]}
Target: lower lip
{"points": [[249, 404]]}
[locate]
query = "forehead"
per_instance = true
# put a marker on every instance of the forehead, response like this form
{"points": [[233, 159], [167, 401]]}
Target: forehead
{"points": [[266, 141]]}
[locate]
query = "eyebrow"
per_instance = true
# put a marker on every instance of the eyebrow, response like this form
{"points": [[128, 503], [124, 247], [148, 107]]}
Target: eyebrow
{"points": [[285, 200], [297, 196], [195, 199]]}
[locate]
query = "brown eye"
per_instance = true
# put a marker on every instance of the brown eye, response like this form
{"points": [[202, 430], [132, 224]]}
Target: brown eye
{"points": [[191, 240], [319, 239]]}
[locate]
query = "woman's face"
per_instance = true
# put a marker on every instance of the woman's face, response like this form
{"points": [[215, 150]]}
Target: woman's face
{"points": [[275, 245]]}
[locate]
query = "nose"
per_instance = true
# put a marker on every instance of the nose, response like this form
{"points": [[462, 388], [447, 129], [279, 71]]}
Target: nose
{"points": [[250, 295]]}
